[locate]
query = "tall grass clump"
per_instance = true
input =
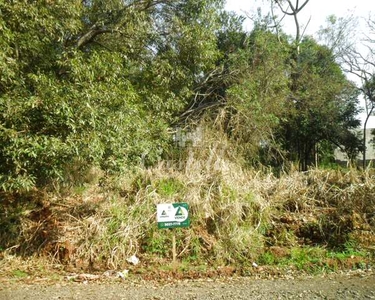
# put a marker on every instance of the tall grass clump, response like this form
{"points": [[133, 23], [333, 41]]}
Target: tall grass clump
{"points": [[238, 215]]}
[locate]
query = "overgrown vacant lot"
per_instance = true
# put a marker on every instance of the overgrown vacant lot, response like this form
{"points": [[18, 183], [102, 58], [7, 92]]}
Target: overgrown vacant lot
{"points": [[109, 108], [242, 223]]}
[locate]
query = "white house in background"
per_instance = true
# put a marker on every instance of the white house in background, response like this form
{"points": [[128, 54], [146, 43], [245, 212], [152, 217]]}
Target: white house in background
{"points": [[342, 158]]}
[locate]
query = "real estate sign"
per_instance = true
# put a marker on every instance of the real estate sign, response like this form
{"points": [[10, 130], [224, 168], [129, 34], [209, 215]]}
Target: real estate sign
{"points": [[173, 215]]}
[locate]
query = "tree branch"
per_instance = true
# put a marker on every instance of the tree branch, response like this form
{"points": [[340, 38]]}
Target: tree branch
{"points": [[294, 12], [91, 35]]}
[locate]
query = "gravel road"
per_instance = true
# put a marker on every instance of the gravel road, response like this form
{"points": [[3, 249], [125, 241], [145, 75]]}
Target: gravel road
{"points": [[354, 286]]}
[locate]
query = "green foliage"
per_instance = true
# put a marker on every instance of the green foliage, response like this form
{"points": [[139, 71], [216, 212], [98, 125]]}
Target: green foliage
{"points": [[169, 187], [324, 105], [95, 83], [20, 274], [267, 258], [159, 243], [314, 259], [258, 99], [99, 83], [306, 258]]}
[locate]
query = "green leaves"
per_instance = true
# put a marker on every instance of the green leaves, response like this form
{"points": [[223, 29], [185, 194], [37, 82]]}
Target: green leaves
{"points": [[95, 83], [258, 99], [324, 107], [98, 83]]}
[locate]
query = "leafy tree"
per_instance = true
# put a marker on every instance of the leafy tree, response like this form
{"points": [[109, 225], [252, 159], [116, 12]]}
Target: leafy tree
{"points": [[318, 93], [322, 104], [31, 39], [244, 94], [95, 83], [270, 98], [257, 101]]}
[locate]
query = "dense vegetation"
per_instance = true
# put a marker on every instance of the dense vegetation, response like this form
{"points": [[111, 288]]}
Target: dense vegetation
{"points": [[103, 83], [96, 97]]}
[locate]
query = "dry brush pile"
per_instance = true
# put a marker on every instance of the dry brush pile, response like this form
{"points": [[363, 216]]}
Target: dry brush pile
{"points": [[237, 215]]}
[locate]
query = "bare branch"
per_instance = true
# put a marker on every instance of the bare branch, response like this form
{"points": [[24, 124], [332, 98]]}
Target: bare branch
{"points": [[276, 24], [294, 12], [304, 30], [285, 11]]}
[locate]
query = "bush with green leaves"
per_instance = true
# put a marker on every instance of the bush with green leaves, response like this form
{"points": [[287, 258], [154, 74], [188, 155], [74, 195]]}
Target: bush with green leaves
{"points": [[95, 83]]}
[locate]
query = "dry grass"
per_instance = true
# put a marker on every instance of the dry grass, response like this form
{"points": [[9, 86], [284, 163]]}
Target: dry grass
{"points": [[236, 214], [33, 268]]}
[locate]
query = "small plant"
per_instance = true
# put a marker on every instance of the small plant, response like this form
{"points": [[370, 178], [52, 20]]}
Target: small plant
{"points": [[309, 259], [157, 243], [169, 187], [194, 253], [267, 258], [352, 248], [19, 274]]}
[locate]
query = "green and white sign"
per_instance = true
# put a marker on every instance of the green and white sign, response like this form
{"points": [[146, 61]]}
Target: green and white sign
{"points": [[173, 215]]}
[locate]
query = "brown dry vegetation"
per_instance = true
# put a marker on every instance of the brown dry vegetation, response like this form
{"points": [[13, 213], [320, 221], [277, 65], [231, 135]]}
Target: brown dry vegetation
{"points": [[237, 217]]}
